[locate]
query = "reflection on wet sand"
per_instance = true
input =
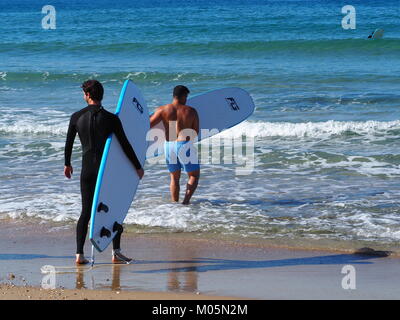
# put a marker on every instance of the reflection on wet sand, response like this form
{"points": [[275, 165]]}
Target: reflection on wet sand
{"points": [[184, 279], [80, 281], [116, 277], [189, 283]]}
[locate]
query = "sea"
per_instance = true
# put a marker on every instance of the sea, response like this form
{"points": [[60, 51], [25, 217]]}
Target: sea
{"points": [[326, 127]]}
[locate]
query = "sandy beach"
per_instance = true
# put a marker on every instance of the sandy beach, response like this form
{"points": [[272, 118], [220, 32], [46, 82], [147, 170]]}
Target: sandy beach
{"points": [[177, 267], [11, 292]]}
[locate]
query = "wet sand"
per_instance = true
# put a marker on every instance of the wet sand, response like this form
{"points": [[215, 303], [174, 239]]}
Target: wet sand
{"points": [[11, 292], [182, 267]]}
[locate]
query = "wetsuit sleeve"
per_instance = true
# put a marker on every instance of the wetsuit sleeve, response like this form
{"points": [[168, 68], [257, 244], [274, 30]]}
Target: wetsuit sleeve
{"points": [[126, 146], [69, 143]]}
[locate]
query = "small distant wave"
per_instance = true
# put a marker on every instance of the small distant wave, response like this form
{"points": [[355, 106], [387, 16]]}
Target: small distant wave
{"points": [[320, 46], [212, 79], [137, 76], [311, 129]]}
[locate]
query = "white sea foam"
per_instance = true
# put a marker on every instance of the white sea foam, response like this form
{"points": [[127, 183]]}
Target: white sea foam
{"points": [[46, 206], [271, 212], [23, 127], [250, 129], [278, 201], [367, 166], [310, 129]]}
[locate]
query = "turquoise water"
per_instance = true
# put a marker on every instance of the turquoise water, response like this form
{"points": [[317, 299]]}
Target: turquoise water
{"points": [[326, 126]]}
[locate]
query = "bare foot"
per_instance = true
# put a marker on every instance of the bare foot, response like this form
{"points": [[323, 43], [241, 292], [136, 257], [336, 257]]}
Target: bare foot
{"points": [[80, 259], [118, 257]]}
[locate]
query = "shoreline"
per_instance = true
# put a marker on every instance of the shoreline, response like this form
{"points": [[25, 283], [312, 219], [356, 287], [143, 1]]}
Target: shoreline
{"points": [[184, 268], [302, 244]]}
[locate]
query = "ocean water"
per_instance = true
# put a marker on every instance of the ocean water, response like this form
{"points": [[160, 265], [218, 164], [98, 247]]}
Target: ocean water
{"points": [[326, 126]]}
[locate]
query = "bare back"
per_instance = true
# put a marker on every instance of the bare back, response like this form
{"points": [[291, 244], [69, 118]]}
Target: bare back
{"points": [[181, 122]]}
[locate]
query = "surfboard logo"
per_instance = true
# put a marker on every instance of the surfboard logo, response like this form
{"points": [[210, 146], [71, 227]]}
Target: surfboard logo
{"points": [[137, 104], [232, 103]]}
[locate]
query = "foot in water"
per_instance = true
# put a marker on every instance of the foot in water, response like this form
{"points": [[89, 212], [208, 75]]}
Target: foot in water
{"points": [[80, 259], [118, 257]]}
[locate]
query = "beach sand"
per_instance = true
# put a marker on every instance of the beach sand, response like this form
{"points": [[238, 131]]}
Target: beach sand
{"points": [[179, 266], [11, 292]]}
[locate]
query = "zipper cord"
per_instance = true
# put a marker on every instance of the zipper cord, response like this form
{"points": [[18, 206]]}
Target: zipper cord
{"points": [[93, 145]]}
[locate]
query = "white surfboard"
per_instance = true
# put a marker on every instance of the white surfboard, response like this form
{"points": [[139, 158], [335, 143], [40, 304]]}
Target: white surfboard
{"points": [[377, 34], [218, 110], [117, 179]]}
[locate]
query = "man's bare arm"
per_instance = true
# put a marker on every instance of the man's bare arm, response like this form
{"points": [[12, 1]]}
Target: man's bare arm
{"points": [[156, 117], [196, 122]]}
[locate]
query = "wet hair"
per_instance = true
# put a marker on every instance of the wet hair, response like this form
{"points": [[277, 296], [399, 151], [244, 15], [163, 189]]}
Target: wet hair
{"points": [[180, 91], [94, 88]]}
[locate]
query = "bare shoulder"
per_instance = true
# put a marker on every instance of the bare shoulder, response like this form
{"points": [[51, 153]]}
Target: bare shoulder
{"points": [[191, 110], [161, 109], [167, 107]]}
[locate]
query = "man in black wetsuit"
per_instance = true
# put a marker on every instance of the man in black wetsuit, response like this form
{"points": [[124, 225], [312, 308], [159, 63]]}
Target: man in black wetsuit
{"points": [[94, 125]]}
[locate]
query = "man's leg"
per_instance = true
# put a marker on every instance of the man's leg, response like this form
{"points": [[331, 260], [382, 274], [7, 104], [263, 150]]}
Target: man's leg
{"points": [[87, 191], [174, 186], [117, 256], [191, 185], [117, 240], [174, 168]]}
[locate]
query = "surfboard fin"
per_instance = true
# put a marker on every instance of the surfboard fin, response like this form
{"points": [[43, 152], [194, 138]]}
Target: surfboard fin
{"points": [[117, 227], [102, 207], [105, 233]]}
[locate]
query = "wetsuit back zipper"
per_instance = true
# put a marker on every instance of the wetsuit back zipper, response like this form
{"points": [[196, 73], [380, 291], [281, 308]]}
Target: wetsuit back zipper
{"points": [[93, 132]]}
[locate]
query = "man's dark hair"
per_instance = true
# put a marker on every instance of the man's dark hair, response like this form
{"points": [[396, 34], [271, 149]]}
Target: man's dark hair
{"points": [[94, 88], [180, 91]]}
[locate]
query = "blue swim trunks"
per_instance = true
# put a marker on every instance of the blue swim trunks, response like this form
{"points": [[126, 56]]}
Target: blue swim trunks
{"points": [[180, 154]]}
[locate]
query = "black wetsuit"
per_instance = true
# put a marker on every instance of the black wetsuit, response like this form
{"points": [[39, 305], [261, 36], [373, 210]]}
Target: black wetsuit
{"points": [[94, 125]]}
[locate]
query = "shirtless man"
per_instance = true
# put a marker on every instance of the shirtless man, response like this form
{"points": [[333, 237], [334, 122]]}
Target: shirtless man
{"points": [[182, 127]]}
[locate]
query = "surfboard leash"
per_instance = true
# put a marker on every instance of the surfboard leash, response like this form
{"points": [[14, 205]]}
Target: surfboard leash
{"points": [[92, 257]]}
